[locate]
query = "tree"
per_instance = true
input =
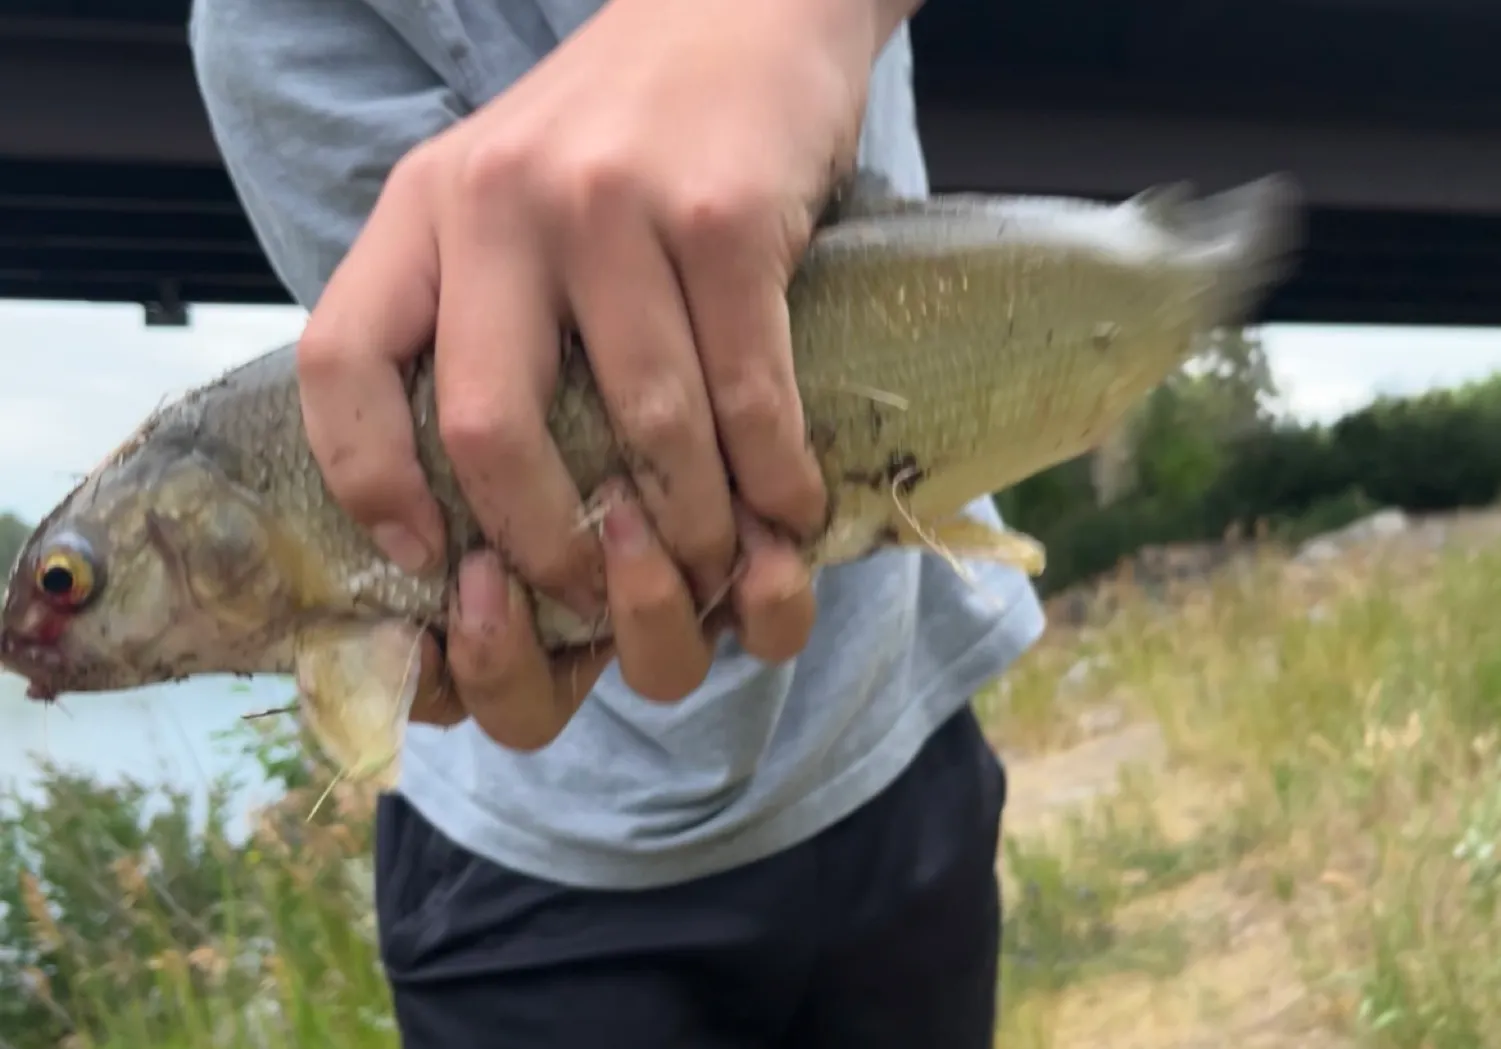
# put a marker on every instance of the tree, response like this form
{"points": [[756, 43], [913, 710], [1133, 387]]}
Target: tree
{"points": [[1170, 446], [1234, 375]]}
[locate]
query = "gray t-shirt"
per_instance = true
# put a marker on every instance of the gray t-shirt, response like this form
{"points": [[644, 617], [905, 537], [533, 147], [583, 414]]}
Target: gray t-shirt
{"points": [[312, 102]]}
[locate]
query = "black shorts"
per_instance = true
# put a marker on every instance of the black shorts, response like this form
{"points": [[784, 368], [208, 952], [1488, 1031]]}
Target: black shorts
{"points": [[883, 931]]}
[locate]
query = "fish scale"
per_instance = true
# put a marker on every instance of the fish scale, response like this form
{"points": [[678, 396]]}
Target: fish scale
{"points": [[944, 349]]}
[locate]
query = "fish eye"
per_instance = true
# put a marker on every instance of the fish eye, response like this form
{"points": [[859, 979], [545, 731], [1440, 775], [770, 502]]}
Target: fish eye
{"points": [[66, 575]]}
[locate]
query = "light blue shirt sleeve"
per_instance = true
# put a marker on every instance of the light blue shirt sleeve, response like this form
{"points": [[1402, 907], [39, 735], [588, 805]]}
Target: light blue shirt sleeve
{"points": [[306, 96]]}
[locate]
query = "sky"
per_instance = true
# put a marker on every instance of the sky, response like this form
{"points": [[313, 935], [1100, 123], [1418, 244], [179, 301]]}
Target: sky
{"points": [[80, 377]]}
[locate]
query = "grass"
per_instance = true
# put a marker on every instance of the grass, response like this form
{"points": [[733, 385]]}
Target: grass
{"points": [[136, 927], [1308, 854], [1313, 859]]}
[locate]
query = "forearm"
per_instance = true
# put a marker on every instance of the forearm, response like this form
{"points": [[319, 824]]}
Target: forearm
{"points": [[864, 25]]}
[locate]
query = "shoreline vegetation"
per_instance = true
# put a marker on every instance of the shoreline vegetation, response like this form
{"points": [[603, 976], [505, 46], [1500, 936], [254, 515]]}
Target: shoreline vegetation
{"points": [[1294, 839], [129, 922], [1256, 809], [1251, 804]]}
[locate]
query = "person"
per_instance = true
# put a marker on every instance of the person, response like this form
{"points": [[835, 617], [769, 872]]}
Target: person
{"points": [[774, 831]]}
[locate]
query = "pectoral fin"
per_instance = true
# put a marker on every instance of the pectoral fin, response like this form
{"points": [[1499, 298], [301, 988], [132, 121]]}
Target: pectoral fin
{"points": [[964, 538], [357, 684]]}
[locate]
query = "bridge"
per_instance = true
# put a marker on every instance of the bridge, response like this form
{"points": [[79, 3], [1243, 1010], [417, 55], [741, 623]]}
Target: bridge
{"points": [[1387, 111]]}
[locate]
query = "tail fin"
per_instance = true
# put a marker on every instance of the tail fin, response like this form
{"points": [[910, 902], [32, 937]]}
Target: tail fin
{"points": [[1252, 232]]}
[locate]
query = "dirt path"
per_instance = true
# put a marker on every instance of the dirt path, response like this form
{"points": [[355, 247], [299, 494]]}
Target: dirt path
{"points": [[1044, 787], [1180, 921], [1238, 982]]}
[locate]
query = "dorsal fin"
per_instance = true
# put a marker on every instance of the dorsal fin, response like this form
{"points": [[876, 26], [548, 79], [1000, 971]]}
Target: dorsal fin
{"points": [[1164, 204]]}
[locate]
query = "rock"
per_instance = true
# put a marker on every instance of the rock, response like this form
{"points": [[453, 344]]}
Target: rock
{"points": [[1383, 524], [1317, 551]]}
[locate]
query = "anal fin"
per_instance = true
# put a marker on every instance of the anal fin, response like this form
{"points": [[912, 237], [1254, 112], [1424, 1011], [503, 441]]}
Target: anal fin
{"points": [[357, 683], [964, 538]]}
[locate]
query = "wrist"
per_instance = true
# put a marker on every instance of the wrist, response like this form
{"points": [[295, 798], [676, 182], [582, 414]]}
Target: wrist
{"points": [[888, 15], [863, 24]]}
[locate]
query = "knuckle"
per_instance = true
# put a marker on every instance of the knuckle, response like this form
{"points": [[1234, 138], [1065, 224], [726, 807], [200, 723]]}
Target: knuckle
{"points": [[659, 416], [750, 404], [475, 436], [323, 353], [492, 167], [598, 182], [710, 219], [412, 173], [651, 600]]}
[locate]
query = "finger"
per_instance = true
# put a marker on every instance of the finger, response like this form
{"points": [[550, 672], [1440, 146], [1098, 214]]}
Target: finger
{"points": [[436, 702], [773, 595], [663, 652], [376, 314], [738, 304], [497, 367], [631, 315], [505, 681]]}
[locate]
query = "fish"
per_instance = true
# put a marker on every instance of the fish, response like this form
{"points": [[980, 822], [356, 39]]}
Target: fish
{"points": [[945, 348]]}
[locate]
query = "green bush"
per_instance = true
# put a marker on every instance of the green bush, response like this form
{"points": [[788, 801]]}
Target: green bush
{"points": [[1433, 452], [1197, 480], [129, 920]]}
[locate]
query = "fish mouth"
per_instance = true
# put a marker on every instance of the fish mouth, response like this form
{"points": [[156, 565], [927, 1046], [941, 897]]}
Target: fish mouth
{"points": [[40, 664]]}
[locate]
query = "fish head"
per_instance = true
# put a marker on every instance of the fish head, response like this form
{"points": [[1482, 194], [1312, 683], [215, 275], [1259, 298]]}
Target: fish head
{"points": [[152, 568]]}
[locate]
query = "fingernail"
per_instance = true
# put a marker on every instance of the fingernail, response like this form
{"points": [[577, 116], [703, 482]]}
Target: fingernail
{"points": [[483, 597], [625, 527], [401, 545]]}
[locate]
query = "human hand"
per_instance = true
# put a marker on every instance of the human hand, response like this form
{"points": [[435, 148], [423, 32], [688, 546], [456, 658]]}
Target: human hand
{"points": [[495, 670], [653, 182]]}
